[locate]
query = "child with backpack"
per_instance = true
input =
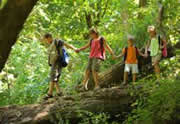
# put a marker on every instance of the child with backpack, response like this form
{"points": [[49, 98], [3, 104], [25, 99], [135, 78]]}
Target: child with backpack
{"points": [[97, 46], [57, 59], [157, 47], [130, 54]]}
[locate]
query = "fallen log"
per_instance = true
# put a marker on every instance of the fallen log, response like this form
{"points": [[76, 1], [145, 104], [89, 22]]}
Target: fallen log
{"points": [[73, 108]]}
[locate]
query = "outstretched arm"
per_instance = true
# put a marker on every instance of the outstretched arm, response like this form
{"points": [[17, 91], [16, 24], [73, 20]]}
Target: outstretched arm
{"points": [[69, 46], [109, 49], [84, 47], [122, 54], [142, 54]]}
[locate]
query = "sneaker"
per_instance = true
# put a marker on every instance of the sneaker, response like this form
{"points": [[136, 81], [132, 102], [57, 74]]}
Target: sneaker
{"points": [[48, 97]]}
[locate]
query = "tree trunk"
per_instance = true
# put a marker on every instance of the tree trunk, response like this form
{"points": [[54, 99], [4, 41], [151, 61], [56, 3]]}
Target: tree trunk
{"points": [[160, 22], [142, 3], [12, 18], [88, 20], [111, 100]]}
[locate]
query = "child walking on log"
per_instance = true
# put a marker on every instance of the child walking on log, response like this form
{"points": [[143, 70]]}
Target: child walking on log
{"points": [[157, 47], [130, 54], [55, 48], [97, 46]]}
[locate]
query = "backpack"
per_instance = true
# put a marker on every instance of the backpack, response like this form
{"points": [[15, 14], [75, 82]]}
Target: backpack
{"points": [[164, 50], [64, 57], [101, 41], [126, 52]]}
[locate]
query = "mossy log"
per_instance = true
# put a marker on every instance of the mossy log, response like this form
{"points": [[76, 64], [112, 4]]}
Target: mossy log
{"points": [[72, 108]]}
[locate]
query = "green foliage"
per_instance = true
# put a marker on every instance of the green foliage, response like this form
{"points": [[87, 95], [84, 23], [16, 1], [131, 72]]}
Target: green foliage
{"points": [[28, 70], [92, 118], [24, 79], [95, 119], [158, 101], [161, 105], [2, 3]]}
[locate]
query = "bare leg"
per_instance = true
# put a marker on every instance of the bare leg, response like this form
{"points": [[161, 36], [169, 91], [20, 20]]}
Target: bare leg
{"points": [[51, 87], [86, 78], [57, 88], [134, 77], [95, 77], [157, 70], [125, 77]]}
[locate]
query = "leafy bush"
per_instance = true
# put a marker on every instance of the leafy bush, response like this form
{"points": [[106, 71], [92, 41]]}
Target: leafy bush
{"points": [[29, 70], [159, 100], [101, 118]]}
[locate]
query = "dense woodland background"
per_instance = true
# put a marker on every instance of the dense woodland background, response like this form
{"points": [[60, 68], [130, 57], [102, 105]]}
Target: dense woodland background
{"points": [[24, 79]]}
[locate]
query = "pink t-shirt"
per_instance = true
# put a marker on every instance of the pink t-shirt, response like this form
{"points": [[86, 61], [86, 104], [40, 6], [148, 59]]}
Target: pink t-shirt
{"points": [[96, 50]]}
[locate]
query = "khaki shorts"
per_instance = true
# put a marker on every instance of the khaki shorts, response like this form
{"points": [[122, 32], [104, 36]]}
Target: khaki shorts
{"points": [[157, 58], [93, 64], [55, 72]]}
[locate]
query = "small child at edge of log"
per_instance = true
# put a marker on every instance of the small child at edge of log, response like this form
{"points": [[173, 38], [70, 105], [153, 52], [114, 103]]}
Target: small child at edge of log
{"points": [[130, 54]]}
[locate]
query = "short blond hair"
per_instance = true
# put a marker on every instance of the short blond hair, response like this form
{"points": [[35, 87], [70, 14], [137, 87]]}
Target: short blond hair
{"points": [[151, 28], [131, 37]]}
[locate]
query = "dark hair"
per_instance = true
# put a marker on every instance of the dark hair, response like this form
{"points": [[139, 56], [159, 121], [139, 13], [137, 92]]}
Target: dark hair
{"points": [[48, 35], [93, 31]]}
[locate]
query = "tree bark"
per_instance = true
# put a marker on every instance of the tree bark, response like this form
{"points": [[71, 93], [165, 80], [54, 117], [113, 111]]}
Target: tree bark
{"points": [[12, 18], [109, 100]]}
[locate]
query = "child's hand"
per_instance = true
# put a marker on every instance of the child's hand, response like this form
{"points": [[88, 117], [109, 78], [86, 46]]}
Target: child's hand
{"points": [[145, 55], [114, 57], [77, 50], [119, 56], [161, 47]]}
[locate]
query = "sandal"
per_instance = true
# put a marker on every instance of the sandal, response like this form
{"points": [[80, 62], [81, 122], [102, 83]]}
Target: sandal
{"points": [[48, 97]]}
